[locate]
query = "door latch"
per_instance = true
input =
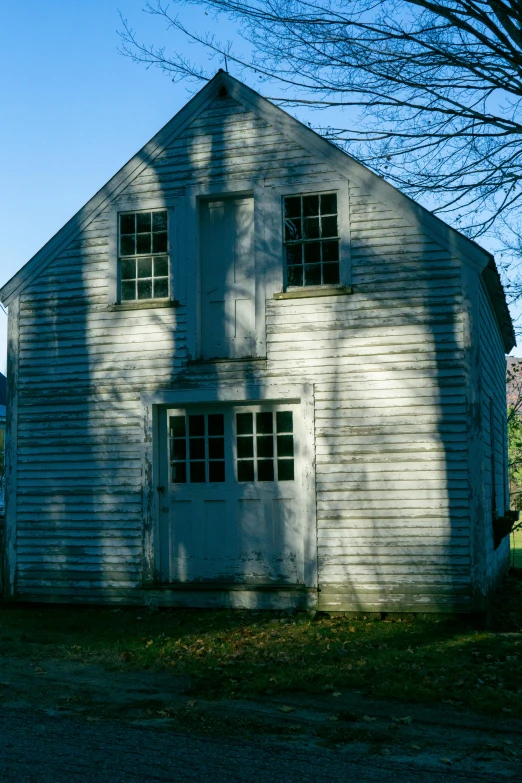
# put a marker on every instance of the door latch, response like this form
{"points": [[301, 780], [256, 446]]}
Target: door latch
{"points": [[161, 489]]}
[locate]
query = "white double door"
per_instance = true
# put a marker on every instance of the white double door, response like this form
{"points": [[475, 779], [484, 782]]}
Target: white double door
{"points": [[231, 510]]}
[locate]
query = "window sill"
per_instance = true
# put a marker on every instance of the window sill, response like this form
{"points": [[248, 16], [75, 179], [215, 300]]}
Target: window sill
{"points": [[305, 292], [145, 305]]}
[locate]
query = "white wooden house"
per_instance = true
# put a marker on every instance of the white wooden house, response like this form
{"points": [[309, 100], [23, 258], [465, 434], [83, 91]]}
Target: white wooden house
{"points": [[249, 372]]}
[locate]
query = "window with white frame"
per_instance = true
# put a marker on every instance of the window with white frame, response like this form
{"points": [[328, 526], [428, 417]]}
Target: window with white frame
{"points": [[311, 238], [142, 257]]}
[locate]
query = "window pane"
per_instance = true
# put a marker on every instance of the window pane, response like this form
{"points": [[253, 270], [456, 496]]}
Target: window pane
{"points": [[245, 447], [312, 252], [177, 426], [161, 266], [265, 446], [264, 423], [145, 267], [265, 470], [245, 470], [143, 221], [197, 425], [294, 254], [127, 245], [285, 469], [244, 424], [328, 204], [178, 448], [197, 448], [292, 207], [311, 228], [197, 472], [216, 424], [292, 230], [143, 244], [329, 226], [310, 205], [128, 290], [284, 421], [331, 273], [159, 221], [127, 224], [128, 269], [312, 274], [216, 471], [179, 473], [285, 445], [161, 288], [159, 243], [145, 289], [330, 251], [294, 275], [216, 448]]}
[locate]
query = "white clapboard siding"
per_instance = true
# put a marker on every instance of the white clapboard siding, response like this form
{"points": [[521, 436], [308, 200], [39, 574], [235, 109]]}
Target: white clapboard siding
{"points": [[387, 364], [376, 408], [493, 405]]}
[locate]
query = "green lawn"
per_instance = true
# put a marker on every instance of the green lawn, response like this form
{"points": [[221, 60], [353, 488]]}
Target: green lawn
{"points": [[246, 654], [516, 549]]}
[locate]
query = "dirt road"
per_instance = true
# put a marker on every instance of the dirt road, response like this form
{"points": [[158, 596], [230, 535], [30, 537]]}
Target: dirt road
{"points": [[63, 721]]}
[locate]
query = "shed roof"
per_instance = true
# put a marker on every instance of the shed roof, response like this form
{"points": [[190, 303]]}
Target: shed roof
{"points": [[433, 226]]}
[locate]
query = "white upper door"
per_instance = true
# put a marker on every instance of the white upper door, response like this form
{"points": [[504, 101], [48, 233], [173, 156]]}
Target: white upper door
{"points": [[227, 321], [235, 486]]}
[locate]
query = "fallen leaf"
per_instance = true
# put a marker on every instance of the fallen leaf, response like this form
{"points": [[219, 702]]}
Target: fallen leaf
{"points": [[446, 761], [367, 718], [415, 747], [405, 721], [337, 693], [191, 704], [286, 708]]}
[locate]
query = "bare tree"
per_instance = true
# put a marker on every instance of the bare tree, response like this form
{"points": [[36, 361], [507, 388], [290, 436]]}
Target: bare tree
{"points": [[439, 85]]}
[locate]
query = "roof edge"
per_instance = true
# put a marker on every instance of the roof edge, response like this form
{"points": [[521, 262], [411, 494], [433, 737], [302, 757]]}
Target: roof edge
{"points": [[497, 296], [15, 285]]}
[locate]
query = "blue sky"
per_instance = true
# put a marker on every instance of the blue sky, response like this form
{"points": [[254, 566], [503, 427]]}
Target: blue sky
{"points": [[73, 111]]}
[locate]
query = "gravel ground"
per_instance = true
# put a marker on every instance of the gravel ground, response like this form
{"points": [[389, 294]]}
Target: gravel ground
{"points": [[43, 749], [63, 722]]}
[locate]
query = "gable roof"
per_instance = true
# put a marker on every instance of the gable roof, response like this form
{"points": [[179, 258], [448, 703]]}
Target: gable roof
{"points": [[433, 226]]}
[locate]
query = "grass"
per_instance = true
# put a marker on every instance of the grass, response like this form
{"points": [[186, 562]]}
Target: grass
{"points": [[516, 549], [251, 654]]}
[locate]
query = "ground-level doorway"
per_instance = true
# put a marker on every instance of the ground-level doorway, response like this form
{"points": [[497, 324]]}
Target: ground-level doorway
{"points": [[232, 509]]}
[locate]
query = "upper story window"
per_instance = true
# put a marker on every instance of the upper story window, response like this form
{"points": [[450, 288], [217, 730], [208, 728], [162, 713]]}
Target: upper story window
{"points": [[143, 259], [311, 239]]}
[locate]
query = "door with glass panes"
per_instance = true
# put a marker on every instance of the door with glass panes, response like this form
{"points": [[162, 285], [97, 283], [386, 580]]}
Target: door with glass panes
{"points": [[233, 509]]}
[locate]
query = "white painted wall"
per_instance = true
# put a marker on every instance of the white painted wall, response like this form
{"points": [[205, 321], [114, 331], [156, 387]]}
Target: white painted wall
{"points": [[387, 364]]}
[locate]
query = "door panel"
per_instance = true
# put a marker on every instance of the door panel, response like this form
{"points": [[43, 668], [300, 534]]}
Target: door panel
{"points": [[227, 323], [221, 528]]}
